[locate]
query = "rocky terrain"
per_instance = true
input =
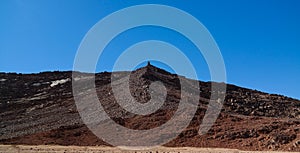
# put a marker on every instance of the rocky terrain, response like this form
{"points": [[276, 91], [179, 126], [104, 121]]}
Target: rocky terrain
{"points": [[39, 109], [105, 149]]}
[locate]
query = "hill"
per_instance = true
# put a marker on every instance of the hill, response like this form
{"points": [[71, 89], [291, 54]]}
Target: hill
{"points": [[39, 109]]}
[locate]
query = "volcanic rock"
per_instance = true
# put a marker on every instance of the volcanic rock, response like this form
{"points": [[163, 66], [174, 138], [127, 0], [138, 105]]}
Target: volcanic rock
{"points": [[40, 109]]}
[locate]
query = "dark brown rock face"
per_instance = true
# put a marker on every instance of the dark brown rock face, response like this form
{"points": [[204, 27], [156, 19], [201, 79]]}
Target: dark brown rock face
{"points": [[40, 109]]}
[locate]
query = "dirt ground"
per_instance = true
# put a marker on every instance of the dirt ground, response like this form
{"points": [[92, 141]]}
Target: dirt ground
{"points": [[103, 149]]}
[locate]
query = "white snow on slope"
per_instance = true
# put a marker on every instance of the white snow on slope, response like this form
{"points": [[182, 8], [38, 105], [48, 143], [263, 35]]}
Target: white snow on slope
{"points": [[57, 82], [83, 78]]}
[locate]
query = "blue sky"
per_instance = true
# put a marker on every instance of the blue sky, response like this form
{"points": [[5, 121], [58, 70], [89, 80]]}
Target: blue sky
{"points": [[259, 40]]}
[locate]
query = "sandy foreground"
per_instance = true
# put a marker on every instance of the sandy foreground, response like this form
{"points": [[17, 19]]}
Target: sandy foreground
{"points": [[100, 149]]}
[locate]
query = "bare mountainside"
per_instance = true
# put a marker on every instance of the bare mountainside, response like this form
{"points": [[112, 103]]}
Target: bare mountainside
{"points": [[39, 109]]}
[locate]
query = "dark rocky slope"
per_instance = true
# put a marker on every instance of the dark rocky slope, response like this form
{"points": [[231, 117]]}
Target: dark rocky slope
{"points": [[40, 109]]}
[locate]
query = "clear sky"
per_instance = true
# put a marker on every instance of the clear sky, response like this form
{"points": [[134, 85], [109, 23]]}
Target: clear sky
{"points": [[259, 40]]}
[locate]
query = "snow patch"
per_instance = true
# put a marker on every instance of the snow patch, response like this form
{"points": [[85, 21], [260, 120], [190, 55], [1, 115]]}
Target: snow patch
{"points": [[2, 80], [36, 84], [83, 78], [57, 82]]}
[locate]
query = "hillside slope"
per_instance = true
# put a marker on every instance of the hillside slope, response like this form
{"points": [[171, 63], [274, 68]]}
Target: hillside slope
{"points": [[38, 109]]}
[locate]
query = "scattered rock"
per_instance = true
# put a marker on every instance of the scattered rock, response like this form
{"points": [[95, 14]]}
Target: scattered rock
{"points": [[44, 114]]}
